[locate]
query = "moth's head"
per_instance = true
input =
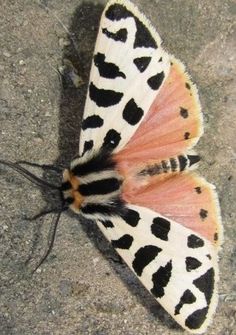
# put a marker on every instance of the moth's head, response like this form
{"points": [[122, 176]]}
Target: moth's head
{"points": [[70, 190]]}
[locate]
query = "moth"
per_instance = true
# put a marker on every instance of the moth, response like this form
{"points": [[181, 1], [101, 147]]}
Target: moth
{"points": [[133, 173]]}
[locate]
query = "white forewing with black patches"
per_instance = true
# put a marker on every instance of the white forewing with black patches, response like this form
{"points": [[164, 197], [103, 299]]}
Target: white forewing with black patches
{"points": [[178, 267], [126, 62]]}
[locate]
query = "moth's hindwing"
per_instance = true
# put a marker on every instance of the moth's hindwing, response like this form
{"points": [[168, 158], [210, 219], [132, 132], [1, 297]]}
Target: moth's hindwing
{"points": [[128, 68]]}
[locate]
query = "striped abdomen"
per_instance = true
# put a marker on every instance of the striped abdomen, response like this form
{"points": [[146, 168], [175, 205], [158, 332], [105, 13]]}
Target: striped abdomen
{"points": [[171, 165]]}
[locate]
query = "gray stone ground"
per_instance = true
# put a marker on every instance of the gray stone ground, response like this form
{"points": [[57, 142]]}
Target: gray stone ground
{"points": [[83, 288]]}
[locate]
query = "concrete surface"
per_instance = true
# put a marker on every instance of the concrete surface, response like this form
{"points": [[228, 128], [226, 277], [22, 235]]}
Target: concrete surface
{"points": [[83, 288]]}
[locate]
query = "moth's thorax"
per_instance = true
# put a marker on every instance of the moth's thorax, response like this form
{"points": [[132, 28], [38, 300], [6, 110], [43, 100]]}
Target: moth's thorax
{"points": [[92, 185], [70, 189]]}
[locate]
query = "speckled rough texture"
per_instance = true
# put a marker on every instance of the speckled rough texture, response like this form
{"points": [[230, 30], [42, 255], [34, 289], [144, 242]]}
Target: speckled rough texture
{"points": [[83, 288]]}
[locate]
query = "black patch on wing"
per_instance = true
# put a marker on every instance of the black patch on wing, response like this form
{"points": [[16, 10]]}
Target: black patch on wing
{"points": [[203, 213], [111, 140], [132, 113], [187, 135], [131, 217], [142, 63], [143, 257], [107, 70], [120, 35], [205, 284], [187, 298], [88, 145], [161, 279], [93, 121], [187, 85], [196, 319], [160, 228], [182, 162], [195, 241], [104, 98], [102, 161], [183, 112], [123, 242], [98, 187], [192, 263], [198, 190], [143, 37], [156, 81], [107, 223], [117, 12]]}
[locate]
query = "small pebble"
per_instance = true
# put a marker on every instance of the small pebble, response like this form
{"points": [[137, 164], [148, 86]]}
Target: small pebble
{"points": [[63, 42], [6, 54]]}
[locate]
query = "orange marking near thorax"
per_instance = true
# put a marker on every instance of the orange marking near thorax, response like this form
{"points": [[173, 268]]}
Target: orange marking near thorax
{"points": [[73, 192]]}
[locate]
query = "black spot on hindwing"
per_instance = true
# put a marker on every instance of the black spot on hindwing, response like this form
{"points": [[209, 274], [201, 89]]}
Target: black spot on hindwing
{"points": [[93, 121], [143, 257], [203, 214], [131, 217], [187, 85], [195, 241], [104, 98], [161, 279], [183, 112], [160, 228], [156, 81], [112, 139], [132, 113], [107, 70], [187, 135], [187, 298], [120, 35], [198, 190], [123, 242], [142, 63]]}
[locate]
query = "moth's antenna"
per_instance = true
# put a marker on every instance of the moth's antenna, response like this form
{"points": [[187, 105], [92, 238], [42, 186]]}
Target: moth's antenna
{"points": [[58, 169], [28, 175], [51, 239]]}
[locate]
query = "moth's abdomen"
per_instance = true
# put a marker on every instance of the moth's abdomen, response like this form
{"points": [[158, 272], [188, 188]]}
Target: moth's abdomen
{"points": [[92, 186], [172, 165]]}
